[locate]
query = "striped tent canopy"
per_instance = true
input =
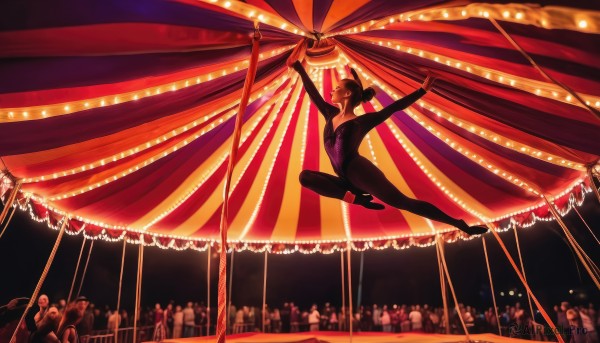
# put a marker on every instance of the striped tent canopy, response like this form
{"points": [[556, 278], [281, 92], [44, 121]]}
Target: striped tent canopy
{"points": [[118, 115]]}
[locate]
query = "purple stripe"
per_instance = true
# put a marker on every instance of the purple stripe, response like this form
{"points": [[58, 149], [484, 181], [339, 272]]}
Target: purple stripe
{"points": [[33, 14], [286, 9], [320, 12], [38, 135], [30, 74], [455, 41], [535, 121]]}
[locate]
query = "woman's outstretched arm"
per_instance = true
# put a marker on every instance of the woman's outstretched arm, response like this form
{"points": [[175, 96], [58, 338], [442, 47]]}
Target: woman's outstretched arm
{"points": [[377, 118], [325, 108]]}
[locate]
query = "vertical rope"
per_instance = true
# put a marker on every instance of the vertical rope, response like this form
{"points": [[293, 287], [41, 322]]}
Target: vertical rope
{"points": [[592, 110], [76, 269], [12, 212], [344, 309], [360, 278], [440, 246], [537, 303], [119, 294], [222, 299], [10, 201], [349, 265], [138, 287], [586, 224], [593, 184], [443, 290], [587, 263], [523, 269], [264, 304], [208, 290], [33, 298], [85, 269], [487, 262]]}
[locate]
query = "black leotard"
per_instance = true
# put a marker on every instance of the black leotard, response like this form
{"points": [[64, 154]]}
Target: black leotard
{"points": [[342, 143]]}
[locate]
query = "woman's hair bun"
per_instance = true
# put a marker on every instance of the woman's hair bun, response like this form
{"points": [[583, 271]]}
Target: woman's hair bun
{"points": [[368, 94]]}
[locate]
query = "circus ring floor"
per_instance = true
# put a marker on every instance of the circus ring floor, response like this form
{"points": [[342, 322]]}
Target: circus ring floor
{"points": [[343, 337]]}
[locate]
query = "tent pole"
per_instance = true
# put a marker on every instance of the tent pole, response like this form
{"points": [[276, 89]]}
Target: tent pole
{"points": [[344, 310], [440, 246], [443, 290], [523, 269], [119, 294], [222, 295], [592, 110], [208, 290], [230, 282], [487, 263], [264, 304], [589, 265], [10, 201], [516, 269], [138, 288], [76, 269], [360, 278], [349, 266], [85, 268], [33, 298]]}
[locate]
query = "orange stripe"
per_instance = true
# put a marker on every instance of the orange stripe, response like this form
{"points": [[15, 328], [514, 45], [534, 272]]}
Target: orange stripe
{"points": [[304, 8], [339, 10]]}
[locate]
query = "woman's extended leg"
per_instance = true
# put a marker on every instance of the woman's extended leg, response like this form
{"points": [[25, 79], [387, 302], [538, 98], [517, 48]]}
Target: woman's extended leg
{"points": [[366, 176], [334, 187]]}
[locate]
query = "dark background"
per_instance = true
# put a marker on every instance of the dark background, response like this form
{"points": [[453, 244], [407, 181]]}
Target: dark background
{"points": [[390, 276]]}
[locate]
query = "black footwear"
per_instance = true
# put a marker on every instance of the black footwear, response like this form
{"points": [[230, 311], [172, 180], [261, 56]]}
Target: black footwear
{"points": [[473, 230], [365, 200]]}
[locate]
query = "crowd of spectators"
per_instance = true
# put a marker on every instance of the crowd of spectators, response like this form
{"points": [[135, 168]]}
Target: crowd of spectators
{"points": [[62, 322]]}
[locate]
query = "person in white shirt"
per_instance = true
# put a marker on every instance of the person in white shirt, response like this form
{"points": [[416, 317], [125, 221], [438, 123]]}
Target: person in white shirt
{"points": [[386, 319], [188, 320], [313, 318], [416, 319]]}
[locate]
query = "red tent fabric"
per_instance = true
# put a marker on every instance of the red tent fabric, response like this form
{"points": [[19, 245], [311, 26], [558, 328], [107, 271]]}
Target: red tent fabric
{"points": [[119, 114]]}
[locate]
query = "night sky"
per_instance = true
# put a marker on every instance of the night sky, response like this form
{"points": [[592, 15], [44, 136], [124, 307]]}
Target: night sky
{"points": [[390, 276]]}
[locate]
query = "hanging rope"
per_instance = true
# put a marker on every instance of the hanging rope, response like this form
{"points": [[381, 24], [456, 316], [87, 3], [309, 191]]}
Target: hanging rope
{"points": [[76, 270], [537, 303], [222, 299], [544, 74], [85, 268], [593, 184], [10, 201], [440, 246], [349, 265], [586, 224], [12, 212], [119, 294], [587, 262], [443, 289], [208, 290], [138, 288], [344, 310], [33, 298], [487, 262], [264, 307], [523, 269]]}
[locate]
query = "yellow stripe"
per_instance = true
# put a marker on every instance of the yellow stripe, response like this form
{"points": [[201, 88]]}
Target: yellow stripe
{"points": [[244, 219], [341, 9], [286, 225], [304, 8], [212, 204]]}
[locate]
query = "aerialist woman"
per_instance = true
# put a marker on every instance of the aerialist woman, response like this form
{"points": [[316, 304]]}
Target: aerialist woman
{"points": [[358, 179]]}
